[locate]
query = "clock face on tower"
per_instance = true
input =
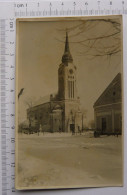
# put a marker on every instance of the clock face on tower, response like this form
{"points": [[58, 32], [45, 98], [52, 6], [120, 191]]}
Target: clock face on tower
{"points": [[71, 71]]}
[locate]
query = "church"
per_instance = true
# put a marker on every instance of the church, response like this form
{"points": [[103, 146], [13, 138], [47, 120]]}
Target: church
{"points": [[61, 113]]}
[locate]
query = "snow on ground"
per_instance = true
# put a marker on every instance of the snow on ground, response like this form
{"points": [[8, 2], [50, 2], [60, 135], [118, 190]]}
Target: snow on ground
{"points": [[62, 160]]}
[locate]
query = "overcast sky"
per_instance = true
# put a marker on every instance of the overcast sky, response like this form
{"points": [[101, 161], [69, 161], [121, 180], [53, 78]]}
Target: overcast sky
{"points": [[41, 46]]}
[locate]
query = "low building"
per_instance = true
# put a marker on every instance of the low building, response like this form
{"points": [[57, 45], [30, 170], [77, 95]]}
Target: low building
{"points": [[108, 108]]}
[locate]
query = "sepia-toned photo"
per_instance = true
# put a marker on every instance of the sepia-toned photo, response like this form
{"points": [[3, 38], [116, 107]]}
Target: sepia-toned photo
{"points": [[69, 102]]}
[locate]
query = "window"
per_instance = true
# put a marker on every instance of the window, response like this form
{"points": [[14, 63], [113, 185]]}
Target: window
{"points": [[114, 93]]}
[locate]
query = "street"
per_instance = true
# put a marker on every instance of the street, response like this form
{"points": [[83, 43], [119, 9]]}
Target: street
{"points": [[62, 160]]}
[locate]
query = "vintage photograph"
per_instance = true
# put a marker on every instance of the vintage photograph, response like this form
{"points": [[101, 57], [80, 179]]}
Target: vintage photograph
{"points": [[69, 102]]}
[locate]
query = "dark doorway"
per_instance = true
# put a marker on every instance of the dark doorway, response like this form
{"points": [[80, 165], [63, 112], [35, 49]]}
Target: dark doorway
{"points": [[103, 125], [72, 128]]}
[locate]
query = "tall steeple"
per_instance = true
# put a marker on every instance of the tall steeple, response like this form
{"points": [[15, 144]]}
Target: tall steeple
{"points": [[67, 75], [67, 55]]}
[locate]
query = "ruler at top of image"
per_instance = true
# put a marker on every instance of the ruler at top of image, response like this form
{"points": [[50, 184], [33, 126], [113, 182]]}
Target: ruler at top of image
{"points": [[43, 8], [9, 11], [70, 8]]}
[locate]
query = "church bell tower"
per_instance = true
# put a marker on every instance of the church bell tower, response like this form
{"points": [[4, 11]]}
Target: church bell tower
{"points": [[67, 75]]}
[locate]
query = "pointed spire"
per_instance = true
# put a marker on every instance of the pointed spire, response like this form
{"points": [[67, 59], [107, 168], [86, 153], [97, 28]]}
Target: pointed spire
{"points": [[67, 44], [67, 55]]}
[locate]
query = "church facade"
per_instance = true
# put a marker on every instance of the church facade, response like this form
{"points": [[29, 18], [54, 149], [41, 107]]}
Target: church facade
{"points": [[62, 111]]}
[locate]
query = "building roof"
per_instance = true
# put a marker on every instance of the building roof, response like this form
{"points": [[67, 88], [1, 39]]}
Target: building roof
{"points": [[112, 94], [44, 99]]}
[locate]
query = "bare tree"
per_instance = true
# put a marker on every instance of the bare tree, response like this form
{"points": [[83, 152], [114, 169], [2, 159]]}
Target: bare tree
{"points": [[96, 37], [91, 124], [30, 102], [84, 116]]}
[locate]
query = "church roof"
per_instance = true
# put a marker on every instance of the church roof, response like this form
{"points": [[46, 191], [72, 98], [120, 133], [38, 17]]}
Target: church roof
{"points": [[67, 55], [112, 94], [43, 100]]}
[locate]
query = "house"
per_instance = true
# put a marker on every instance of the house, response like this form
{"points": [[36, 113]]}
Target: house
{"points": [[108, 108]]}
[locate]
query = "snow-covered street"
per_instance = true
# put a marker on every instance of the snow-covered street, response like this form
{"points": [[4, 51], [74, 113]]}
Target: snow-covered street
{"points": [[62, 160]]}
